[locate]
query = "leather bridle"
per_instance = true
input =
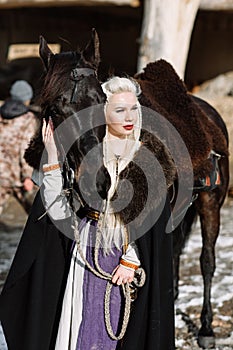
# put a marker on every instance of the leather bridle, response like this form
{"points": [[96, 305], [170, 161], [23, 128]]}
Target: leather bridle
{"points": [[76, 75]]}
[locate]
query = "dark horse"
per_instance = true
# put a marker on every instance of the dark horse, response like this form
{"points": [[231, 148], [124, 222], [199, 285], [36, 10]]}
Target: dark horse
{"points": [[71, 84]]}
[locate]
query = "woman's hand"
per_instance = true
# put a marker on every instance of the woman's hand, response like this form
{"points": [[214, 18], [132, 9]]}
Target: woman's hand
{"points": [[28, 184], [49, 142], [122, 275]]}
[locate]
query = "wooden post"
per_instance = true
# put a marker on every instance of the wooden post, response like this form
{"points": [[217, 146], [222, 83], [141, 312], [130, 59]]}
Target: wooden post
{"points": [[166, 31]]}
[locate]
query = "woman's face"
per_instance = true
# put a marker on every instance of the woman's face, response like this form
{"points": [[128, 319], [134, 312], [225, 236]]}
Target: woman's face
{"points": [[122, 114]]}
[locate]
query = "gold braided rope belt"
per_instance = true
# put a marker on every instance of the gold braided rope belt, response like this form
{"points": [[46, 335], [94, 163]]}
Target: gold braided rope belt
{"points": [[92, 214], [139, 279]]}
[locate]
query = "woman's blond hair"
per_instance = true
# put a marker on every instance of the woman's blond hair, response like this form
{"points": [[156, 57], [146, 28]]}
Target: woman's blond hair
{"points": [[118, 85]]}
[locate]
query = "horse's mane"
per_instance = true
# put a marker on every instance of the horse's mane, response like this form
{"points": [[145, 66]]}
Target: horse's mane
{"points": [[61, 65]]}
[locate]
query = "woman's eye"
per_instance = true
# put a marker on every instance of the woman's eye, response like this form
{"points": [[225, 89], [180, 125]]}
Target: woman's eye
{"points": [[135, 108], [119, 110]]}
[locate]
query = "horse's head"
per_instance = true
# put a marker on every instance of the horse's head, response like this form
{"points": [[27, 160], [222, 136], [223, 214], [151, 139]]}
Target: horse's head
{"points": [[71, 78], [70, 86]]}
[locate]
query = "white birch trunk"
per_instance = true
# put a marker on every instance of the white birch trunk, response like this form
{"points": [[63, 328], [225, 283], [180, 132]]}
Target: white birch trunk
{"points": [[166, 31]]}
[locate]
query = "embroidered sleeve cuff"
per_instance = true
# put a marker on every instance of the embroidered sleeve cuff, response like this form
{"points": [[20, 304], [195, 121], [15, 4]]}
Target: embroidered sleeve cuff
{"points": [[128, 265], [50, 167]]}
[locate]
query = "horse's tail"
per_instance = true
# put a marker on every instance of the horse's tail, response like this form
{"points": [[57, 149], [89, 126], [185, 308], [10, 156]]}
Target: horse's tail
{"points": [[213, 115], [182, 233], [189, 219]]}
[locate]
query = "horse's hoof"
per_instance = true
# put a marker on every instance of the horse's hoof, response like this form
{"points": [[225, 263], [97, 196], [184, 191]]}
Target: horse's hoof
{"points": [[206, 342]]}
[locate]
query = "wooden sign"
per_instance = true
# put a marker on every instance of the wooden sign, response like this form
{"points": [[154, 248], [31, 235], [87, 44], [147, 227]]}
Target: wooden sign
{"points": [[16, 51]]}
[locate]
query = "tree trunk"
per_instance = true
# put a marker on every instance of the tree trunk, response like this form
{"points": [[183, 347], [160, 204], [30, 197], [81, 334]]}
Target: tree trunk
{"points": [[166, 31]]}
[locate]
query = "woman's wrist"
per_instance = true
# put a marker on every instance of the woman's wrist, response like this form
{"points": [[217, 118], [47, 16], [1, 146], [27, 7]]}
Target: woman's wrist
{"points": [[52, 159], [128, 265], [50, 167]]}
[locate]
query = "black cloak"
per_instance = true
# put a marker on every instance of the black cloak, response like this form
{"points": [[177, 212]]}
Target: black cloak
{"points": [[31, 300]]}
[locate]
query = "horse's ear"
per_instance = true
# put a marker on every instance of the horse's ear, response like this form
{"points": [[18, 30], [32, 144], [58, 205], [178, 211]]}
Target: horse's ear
{"points": [[45, 52], [91, 53]]}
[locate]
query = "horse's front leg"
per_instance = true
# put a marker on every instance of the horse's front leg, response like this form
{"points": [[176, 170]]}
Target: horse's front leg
{"points": [[208, 208]]}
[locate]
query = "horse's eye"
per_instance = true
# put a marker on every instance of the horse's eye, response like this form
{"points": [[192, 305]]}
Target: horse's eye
{"points": [[60, 101], [53, 110]]}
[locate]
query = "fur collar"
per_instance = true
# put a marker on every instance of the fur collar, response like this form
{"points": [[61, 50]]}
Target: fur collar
{"points": [[143, 184]]}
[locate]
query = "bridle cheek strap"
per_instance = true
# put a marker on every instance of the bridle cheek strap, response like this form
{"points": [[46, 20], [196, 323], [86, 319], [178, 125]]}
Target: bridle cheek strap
{"points": [[76, 75]]}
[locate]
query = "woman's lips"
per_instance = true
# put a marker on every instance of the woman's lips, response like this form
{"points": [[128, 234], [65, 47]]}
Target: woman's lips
{"points": [[128, 127]]}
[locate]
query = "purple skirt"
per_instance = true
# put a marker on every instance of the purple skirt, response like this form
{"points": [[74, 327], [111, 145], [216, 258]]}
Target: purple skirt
{"points": [[93, 333]]}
